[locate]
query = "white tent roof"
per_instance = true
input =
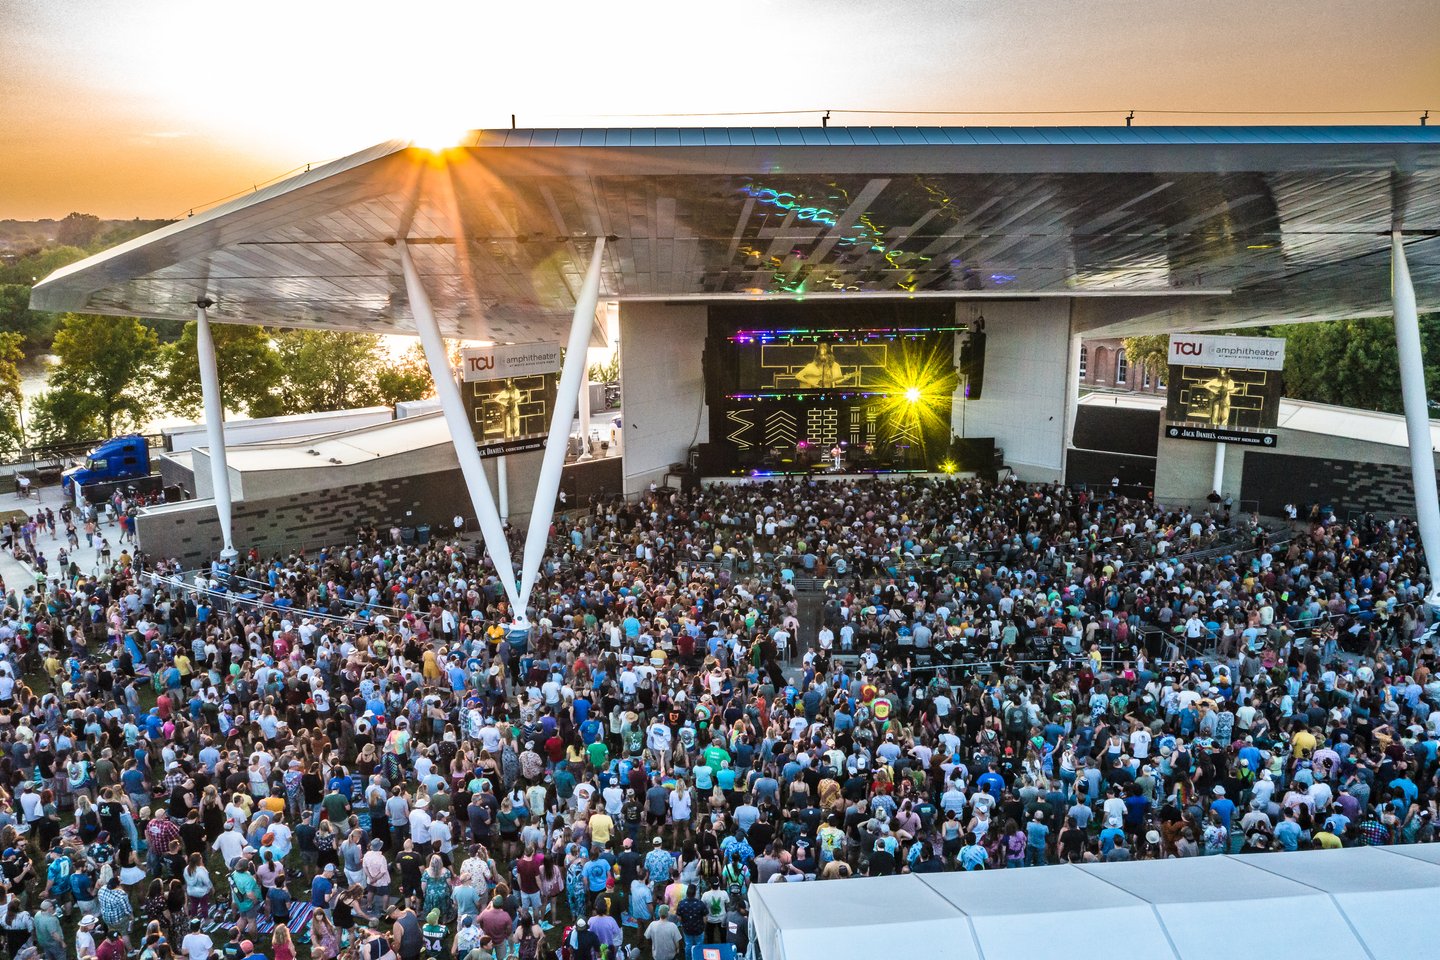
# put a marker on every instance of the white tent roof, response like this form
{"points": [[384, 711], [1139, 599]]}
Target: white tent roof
{"points": [[1363, 903], [860, 918]]}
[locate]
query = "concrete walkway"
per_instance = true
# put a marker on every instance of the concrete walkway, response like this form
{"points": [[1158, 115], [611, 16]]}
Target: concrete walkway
{"points": [[17, 574]]}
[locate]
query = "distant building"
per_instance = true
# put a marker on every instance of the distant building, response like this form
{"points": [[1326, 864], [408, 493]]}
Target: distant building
{"points": [[1104, 366]]}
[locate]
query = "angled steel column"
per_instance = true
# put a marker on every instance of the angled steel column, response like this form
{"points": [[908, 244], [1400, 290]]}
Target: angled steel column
{"points": [[583, 400], [456, 419], [214, 422], [542, 511], [1417, 411], [502, 487]]}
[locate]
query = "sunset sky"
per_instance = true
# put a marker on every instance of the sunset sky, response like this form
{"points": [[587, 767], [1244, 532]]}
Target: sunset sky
{"points": [[147, 108]]}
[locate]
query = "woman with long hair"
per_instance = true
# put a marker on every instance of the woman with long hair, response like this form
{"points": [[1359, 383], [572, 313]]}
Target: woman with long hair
{"points": [[18, 926], [155, 903], [324, 937], [435, 885], [198, 886], [212, 813], [282, 945]]}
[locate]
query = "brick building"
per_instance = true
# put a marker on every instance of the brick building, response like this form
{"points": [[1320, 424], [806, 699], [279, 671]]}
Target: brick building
{"points": [[1103, 365]]}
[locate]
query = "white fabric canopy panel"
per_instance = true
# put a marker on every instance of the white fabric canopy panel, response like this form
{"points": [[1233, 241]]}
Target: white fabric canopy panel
{"points": [[869, 919], [1201, 899], [1365, 903], [1050, 912], [1386, 895]]}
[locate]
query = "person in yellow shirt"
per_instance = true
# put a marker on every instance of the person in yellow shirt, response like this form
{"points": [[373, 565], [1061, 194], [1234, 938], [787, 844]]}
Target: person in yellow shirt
{"points": [[1302, 743], [602, 827]]}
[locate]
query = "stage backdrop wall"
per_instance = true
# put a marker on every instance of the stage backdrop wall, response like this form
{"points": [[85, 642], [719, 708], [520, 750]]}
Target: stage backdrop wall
{"points": [[1024, 404], [663, 387]]}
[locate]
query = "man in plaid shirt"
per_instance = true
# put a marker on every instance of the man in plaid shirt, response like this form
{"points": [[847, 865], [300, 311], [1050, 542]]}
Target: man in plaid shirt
{"points": [[161, 832], [1374, 833], [115, 909]]}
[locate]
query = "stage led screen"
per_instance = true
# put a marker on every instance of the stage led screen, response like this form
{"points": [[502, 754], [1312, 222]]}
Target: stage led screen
{"points": [[832, 392], [1222, 404], [510, 415]]}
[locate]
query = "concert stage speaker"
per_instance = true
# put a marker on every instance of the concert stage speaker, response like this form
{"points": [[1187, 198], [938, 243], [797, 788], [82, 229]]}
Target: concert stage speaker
{"points": [[973, 454], [972, 364], [707, 460]]}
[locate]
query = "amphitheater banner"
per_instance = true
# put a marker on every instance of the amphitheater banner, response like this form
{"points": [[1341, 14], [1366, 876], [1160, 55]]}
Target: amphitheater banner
{"points": [[509, 392], [1224, 389]]}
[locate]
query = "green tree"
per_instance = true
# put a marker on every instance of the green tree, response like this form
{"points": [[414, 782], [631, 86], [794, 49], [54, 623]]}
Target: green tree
{"points": [[606, 372], [1148, 353], [38, 264], [116, 232], [108, 360], [59, 417], [405, 379], [35, 329], [1354, 363], [78, 230], [327, 370], [12, 437], [248, 363]]}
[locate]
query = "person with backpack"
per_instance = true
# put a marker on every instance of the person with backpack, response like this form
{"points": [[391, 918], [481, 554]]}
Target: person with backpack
{"points": [[529, 937], [579, 943]]}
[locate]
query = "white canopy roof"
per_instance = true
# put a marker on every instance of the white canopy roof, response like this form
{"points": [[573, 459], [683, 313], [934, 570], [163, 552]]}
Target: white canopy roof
{"points": [[1365, 903]]}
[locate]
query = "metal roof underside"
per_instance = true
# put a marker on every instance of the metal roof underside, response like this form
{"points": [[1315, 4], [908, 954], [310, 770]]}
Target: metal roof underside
{"points": [[1151, 229]]}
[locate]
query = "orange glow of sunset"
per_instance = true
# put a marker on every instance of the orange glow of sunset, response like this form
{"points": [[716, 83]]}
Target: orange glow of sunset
{"points": [[147, 108]]}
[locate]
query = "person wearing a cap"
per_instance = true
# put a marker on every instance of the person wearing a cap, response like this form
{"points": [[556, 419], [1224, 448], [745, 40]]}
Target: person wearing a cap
{"points": [[49, 938], [197, 943]]}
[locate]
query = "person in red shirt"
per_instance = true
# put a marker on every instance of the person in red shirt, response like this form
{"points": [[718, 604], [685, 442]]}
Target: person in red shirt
{"points": [[113, 947], [527, 870]]}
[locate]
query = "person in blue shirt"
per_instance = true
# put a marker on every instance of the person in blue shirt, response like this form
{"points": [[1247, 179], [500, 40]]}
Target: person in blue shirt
{"points": [[1223, 806], [322, 888], [1037, 835], [590, 730], [596, 872], [991, 782], [1287, 832]]}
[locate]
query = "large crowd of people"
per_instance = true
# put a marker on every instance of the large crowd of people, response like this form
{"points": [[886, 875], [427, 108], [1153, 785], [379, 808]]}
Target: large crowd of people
{"points": [[353, 753]]}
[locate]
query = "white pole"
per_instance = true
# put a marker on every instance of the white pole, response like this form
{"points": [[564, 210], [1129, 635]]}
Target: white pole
{"points": [[584, 414], [502, 488], [571, 375], [1217, 479], [1417, 411], [461, 435], [214, 424]]}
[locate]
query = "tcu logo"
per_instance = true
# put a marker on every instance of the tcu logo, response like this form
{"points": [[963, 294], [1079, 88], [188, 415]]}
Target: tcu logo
{"points": [[478, 364], [1186, 348]]}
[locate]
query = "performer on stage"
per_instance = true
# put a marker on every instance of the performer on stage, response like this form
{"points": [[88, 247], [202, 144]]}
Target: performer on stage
{"points": [[823, 371], [508, 399]]}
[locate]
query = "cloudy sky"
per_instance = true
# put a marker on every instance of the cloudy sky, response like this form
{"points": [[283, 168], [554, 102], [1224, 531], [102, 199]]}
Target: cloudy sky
{"points": [[147, 108]]}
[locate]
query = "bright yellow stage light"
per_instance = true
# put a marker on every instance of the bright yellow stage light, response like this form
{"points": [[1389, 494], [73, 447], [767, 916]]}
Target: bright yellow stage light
{"points": [[912, 394]]}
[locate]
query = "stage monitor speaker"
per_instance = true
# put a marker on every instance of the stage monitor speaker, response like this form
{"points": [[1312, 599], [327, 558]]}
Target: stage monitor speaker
{"points": [[708, 460], [973, 454], [972, 364]]}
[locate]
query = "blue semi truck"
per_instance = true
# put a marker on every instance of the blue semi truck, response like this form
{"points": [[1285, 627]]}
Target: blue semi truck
{"points": [[119, 458]]}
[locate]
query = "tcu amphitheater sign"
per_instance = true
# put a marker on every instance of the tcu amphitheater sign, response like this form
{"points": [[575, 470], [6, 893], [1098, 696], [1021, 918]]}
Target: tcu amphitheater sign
{"points": [[1241, 353]]}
